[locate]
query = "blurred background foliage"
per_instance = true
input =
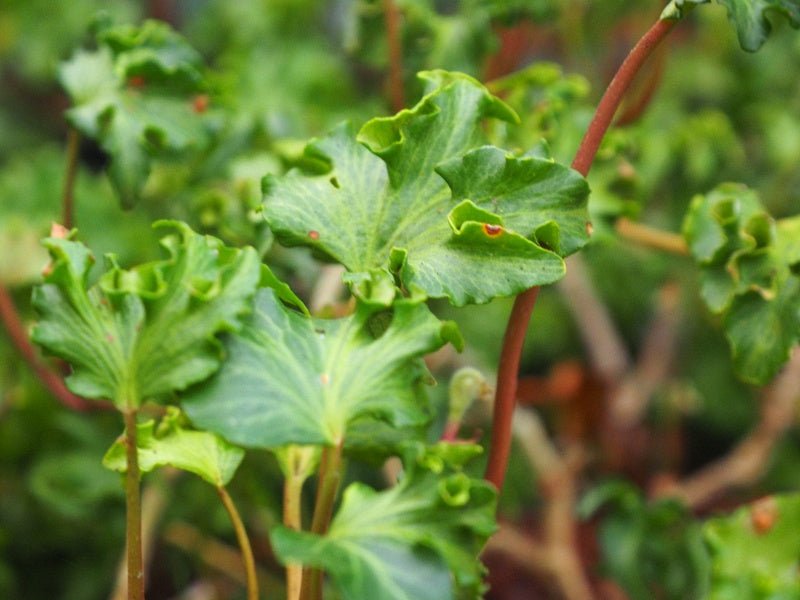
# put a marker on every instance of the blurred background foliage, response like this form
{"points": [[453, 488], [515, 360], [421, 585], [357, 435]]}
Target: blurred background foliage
{"points": [[282, 71]]}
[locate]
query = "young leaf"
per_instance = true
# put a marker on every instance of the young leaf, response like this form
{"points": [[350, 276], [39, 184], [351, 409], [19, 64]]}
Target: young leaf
{"points": [[748, 275], [748, 16], [147, 331], [134, 96], [289, 379], [200, 452], [503, 225], [403, 543], [755, 550]]}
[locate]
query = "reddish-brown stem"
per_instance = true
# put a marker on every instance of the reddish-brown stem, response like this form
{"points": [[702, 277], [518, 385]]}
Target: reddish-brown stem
{"points": [[19, 337], [615, 92], [68, 192], [633, 112], [133, 510], [505, 394], [391, 15]]}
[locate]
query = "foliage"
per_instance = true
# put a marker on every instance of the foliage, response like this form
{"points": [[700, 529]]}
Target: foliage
{"points": [[444, 210]]}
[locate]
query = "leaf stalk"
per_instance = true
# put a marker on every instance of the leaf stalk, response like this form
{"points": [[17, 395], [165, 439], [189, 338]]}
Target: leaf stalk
{"points": [[244, 543], [133, 510]]}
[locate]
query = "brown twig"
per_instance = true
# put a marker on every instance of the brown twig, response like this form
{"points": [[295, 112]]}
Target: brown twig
{"points": [[746, 463], [651, 237], [523, 305], [391, 15], [19, 338], [556, 554], [68, 193], [607, 353]]}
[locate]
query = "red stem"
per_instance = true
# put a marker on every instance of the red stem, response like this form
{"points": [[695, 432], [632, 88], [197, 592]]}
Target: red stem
{"points": [[396, 92], [508, 369], [19, 337]]}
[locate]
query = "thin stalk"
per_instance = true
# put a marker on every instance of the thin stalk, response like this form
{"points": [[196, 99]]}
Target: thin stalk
{"points": [[292, 518], [651, 237], [133, 510], [330, 475], [508, 369], [19, 338], [68, 193], [244, 543], [391, 15]]}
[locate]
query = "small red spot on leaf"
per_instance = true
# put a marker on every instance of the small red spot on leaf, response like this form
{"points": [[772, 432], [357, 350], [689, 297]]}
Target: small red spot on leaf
{"points": [[764, 514], [314, 235], [324, 379], [109, 338], [492, 230], [136, 81], [200, 103], [589, 228]]}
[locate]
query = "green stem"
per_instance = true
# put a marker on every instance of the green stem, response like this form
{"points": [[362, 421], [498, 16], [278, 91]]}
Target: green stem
{"points": [[244, 543], [292, 518], [508, 369], [133, 510], [68, 193], [330, 475]]}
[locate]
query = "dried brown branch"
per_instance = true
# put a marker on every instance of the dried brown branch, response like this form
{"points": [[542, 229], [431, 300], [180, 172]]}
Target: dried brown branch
{"points": [[556, 555], [747, 462], [603, 343], [651, 237]]}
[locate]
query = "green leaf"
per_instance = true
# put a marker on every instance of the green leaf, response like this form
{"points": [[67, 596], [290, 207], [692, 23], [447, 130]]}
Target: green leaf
{"points": [[748, 275], [755, 551], [144, 332], [748, 16], [290, 379], [502, 226], [134, 95], [403, 543], [652, 549], [200, 452]]}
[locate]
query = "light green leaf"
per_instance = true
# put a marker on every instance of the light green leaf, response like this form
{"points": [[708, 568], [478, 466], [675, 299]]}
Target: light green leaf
{"points": [[748, 16], [134, 96], [502, 226], [144, 332], [416, 541], [200, 452], [755, 551], [748, 275], [289, 379]]}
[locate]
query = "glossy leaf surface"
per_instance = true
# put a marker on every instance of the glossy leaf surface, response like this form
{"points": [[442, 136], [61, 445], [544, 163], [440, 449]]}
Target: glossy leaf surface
{"points": [[416, 541], [170, 444], [748, 275], [147, 331], [289, 379], [419, 196]]}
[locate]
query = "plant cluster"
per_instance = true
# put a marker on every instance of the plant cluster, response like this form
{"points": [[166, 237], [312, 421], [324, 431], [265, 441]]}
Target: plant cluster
{"points": [[308, 294]]}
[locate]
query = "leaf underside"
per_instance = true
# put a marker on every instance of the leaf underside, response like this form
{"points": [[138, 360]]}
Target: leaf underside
{"points": [[417, 194], [289, 379], [417, 541], [148, 331]]}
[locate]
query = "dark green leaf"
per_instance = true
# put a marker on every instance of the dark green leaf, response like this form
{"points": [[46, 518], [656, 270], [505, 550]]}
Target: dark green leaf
{"points": [[747, 263], [399, 544], [503, 225], [289, 379], [147, 331], [134, 95], [748, 16]]}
